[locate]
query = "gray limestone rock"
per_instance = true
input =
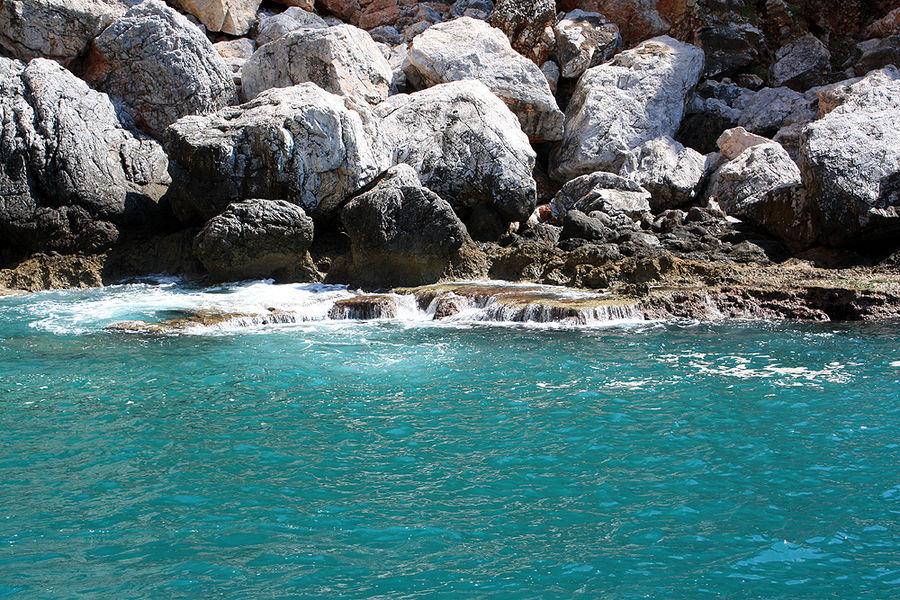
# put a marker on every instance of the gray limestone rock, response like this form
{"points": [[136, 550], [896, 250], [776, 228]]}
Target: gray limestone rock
{"points": [[584, 40], [800, 64], [73, 167], [467, 48], [878, 53], [768, 110], [465, 144], [528, 24], [638, 96], [600, 191], [343, 60], [277, 26], [255, 239], [300, 144], [234, 17], [160, 66], [836, 94], [671, 173]]}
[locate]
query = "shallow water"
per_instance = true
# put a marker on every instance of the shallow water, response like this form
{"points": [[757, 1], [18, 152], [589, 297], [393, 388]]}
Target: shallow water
{"points": [[406, 459]]}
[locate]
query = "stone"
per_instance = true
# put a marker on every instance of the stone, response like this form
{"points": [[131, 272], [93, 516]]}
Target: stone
{"points": [[671, 173], [255, 239], [734, 141], [711, 109], [234, 17], [235, 53], [878, 53], [600, 191], [886, 26], [387, 34], [577, 225], [836, 94], [60, 30], [307, 5], [277, 26], [525, 23], [770, 109], [850, 161], [801, 64], [584, 40], [638, 20], [74, 169], [467, 48], [551, 72], [477, 9], [366, 14], [300, 144], [730, 47], [343, 60], [401, 233], [160, 66], [464, 144], [638, 96]]}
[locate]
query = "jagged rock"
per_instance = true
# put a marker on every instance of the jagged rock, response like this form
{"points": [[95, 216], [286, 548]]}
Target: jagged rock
{"points": [[343, 60], [234, 17], [800, 64], [401, 233], [584, 40], [638, 96], [712, 109], [878, 53], [886, 26], [255, 239], [160, 66], [734, 141], [770, 109], [235, 53], [366, 14], [730, 47], [671, 173], [579, 226], [851, 165], [387, 35], [365, 307], [551, 73], [834, 95], [763, 187], [300, 144], [467, 48], [477, 9], [277, 26], [465, 144], [525, 23], [73, 168], [60, 30], [637, 19], [600, 191]]}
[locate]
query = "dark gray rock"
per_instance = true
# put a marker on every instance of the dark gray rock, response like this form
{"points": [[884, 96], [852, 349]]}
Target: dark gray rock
{"points": [[878, 53], [730, 48], [800, 64], [577, 225]]}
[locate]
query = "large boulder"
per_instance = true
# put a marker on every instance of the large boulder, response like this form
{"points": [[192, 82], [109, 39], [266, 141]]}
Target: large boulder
{"points": [[801, 64], [730, 47], [604, 192], [851, 164], [528, 24], [160, 66], [234, 17], [467, 48], [402, 233], [671, 173], [464, 144], [878, 53], [343, 60], [60, 30], [256, 239], [73, 167], [770, 109], [638, 96], [584, 40], [300, 144], [836, 94], [277, 26]]}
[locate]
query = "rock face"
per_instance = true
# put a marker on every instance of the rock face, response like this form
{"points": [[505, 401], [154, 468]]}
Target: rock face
{"points": [[800, 64], [234, 17], [342, 59], [467, 48], [60, 30], [671, 173], [528, 25], [638, 96], [584, 40], [851, 164], [255, 239], [73, 168], [464, 144], [160, 66], [401, 233], [277, 26], [832, 96], [300, 144]]}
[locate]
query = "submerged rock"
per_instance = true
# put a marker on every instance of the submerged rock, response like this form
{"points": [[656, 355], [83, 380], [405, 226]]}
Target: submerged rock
{"points": [[160, 66]]}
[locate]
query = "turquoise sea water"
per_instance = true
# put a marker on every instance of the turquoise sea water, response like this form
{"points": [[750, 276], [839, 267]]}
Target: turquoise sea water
{"points": [[412, 460]]}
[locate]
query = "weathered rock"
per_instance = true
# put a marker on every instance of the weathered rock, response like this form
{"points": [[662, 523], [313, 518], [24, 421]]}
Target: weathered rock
{"points": [[671, 173], [525, 23], [584, 40], [851, 165], [712, 109], [770, 109], [365, 307], [401, 233], [234, 17], [255, 239], [160, 66], [366, 14], [477, 9], [235, 53], [60, 30], [834, 95], [730, 48], [636, 97], [734, 141], [600, 191], [277, 26], [343, 60], [300, 144], [637, 19], [551, 73], [763, 187], [886, 26], [800, 64], [878, 53], [73, 168], [465, 144], [579, 226], [467, 48]]}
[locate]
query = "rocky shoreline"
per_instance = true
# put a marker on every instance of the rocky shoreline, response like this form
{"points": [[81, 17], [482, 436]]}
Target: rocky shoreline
{"points": [[702, 159]]}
